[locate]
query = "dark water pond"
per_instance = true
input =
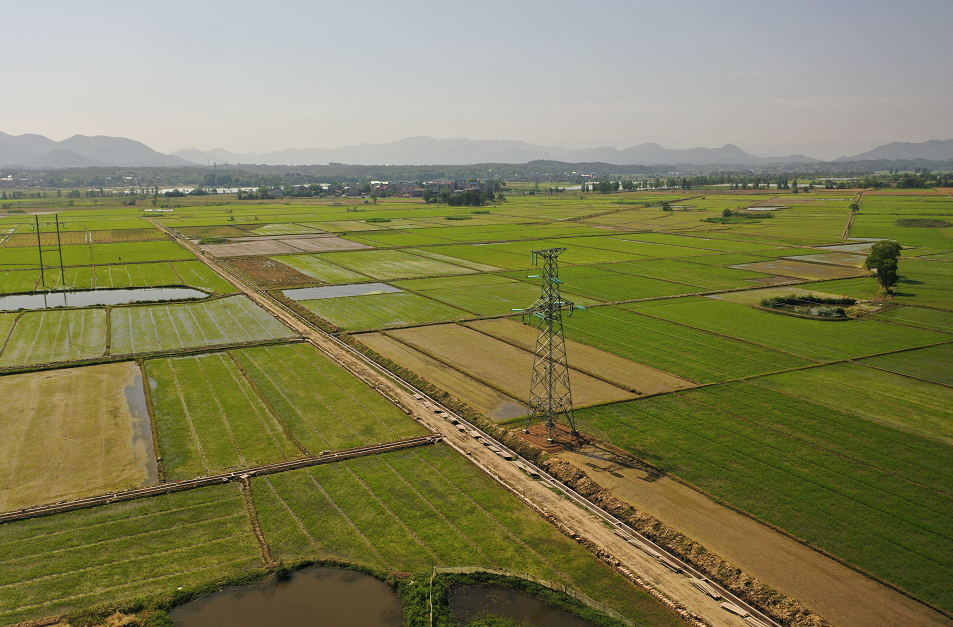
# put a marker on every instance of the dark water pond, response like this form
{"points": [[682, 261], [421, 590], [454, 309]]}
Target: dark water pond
{"points": [[325, 597], [339, 291], [91, 298], [468, 602]]}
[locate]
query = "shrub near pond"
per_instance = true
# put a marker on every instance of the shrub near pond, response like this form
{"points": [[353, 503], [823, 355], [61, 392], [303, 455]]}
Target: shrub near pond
{"points": [[810, 305]]}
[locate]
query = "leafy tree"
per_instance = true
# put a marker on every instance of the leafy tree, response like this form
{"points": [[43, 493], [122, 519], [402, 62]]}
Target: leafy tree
{"points": [[726, 213], [883, 258], [881, 251], [887, 274]]}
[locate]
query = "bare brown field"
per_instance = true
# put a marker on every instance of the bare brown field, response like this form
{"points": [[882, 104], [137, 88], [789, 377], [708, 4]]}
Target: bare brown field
{"points": [[126, 235], [802, 269], [497, 363], [284, 245], [488, 401], [72, 433], [270, 272], [623, 372], [28, 240]]}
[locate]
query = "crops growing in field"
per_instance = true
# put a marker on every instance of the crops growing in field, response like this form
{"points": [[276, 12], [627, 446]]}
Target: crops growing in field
{"points": [[210, 419], [393, 264], [902, 402], [484, 300], [55, 335], [322, 405], [321, 269], [688, 352], [872, 495], [162, 327], [410, 510], [811, 339], [376, 311], [932, 364], [55, 564]]}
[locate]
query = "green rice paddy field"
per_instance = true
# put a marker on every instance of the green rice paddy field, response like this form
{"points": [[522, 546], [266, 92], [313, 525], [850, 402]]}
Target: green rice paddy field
{"points": [[411, 510], [840, 433]]}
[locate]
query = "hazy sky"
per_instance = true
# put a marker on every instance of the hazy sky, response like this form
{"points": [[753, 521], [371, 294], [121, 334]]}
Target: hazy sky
{"points": [[824, 78]]}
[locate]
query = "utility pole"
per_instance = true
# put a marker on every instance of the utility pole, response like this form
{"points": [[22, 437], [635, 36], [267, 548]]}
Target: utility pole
{"points": [[59, 245], [550, 396], [39, 249]]}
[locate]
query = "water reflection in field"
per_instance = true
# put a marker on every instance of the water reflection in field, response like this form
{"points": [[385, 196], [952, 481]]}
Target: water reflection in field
{"points": [[328, 597], [468, 602]]}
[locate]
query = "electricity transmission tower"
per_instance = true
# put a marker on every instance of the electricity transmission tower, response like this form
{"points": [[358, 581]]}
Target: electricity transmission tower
{"points": [[550, 397]]}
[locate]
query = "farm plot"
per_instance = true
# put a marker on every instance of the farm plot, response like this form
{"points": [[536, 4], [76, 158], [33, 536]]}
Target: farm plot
{"points": [[838, 259], [483, 254], [387, 265], [933, 364], [491, 296], [724, 260], [286, 228], [78, 278], [803, 270], [377, 311], [707, 278], [496, 363], [322, 405], [230, 320], [812, 339], [270, 272], [705, 245], [136, 275], [13, 281], [872, 495], [396, 238], [754, 297], [928, 283], [73, 433], [210, 419], [110, 236], [481, 397], [431, 254], [20, 258], [276, 246], [601, 364], [79, 559], [197, 274], [54, 335], [134, 253], [687, 352], [891, 399], [410, 510], [863, 288], [932, 319], [321, 269]]}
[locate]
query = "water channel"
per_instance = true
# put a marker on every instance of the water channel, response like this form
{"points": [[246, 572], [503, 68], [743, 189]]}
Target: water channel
{"points": [[92, 298]]}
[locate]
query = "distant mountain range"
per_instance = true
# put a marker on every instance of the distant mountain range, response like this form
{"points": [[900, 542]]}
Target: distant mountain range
{"points": [[80, 151], [427, 150], [36, 151]]}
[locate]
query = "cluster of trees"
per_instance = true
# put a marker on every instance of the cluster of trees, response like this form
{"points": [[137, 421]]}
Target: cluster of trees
{"points": [[883, 258], [469, 198]]}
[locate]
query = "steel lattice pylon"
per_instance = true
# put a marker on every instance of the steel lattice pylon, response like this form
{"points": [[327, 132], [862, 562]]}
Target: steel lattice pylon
{"points": [[550, 396]]}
